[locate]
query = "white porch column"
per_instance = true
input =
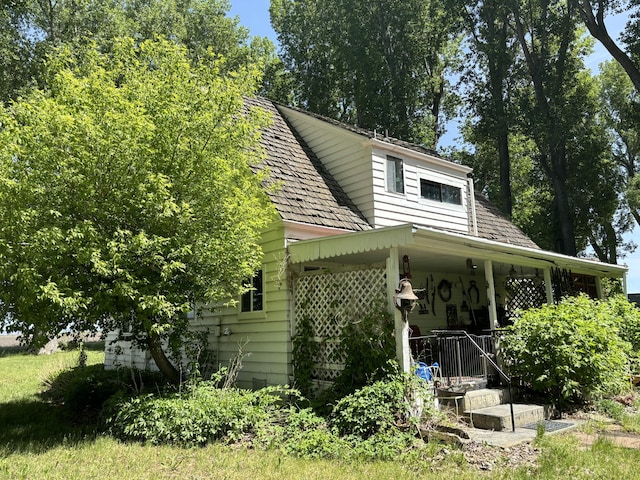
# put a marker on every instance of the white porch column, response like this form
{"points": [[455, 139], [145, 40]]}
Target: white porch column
{"points": [[548, 286], [403, 354], [491, 294], [599, 293]]}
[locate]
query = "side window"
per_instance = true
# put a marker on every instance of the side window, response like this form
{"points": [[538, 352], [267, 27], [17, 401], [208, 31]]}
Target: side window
{"points": [[251, 301], [440, 192], [395, 175]]}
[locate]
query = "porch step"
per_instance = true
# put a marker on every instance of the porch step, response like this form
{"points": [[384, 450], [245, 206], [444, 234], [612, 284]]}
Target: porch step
{"points": [[473, 399], [498, 417]]}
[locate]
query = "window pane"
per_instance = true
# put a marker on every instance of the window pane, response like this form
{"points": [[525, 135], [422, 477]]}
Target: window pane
{"points": [[430, 190], [257, 293], [245, 302], [451, 195], [395, 175]]}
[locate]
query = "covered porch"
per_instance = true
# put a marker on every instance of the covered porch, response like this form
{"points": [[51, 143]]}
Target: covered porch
{"points": [[463, 283]]}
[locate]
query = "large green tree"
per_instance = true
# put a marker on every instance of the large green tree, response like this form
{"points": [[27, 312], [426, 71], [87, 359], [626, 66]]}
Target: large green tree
{"points": [[31, 29], [594, 12], [127, 193], [489, 76], [380, 65]]}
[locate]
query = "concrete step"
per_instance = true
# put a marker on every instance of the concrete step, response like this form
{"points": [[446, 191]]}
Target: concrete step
{"points": [[499, 417], [473, 399]]}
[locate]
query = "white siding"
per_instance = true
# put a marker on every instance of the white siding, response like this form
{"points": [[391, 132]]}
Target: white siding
{"points": [[264, 336], [395, 209], [346, 155]]}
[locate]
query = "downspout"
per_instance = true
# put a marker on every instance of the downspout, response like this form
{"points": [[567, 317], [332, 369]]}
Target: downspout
{"points": [[472, 202]]}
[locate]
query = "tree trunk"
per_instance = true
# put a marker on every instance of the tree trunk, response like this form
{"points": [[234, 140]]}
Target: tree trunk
{"points": [[168, 370], [564, 217]]}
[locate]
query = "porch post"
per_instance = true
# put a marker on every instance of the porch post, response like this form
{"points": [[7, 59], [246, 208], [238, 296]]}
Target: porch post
{"points": [[491, 294], [401, 327], [598, 281], [548, 286]]}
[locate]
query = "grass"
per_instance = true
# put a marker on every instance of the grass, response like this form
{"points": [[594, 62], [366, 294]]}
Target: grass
{"points": [[36, 442]]}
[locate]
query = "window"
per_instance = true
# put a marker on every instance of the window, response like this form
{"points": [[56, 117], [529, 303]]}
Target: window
{"points": [[251, 301], [440, 192], [395, 175]]}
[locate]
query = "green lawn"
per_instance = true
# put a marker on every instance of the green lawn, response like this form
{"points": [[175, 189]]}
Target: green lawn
{"points": [[37, 443]]}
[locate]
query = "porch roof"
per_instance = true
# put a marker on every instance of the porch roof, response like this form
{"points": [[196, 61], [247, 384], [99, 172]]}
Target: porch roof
{"points": [[439, 250]]}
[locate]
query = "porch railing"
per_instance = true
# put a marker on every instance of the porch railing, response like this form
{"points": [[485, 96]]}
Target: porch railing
{"points": [[455, 352], [461, 357]]}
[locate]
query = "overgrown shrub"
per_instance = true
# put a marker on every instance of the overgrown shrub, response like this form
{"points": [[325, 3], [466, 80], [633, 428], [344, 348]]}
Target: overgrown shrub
{"points": [[380, 407], [84, 390], [367, 344], [304, 352], [627, 318], [570, 351], [302, 433], [199, 414]]}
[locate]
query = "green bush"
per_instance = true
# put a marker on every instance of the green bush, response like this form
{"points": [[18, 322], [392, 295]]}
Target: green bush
{"points": [[196, 416], [87, 389], [570, 351], [627, 317], [301, 433], [379, 407], [367, 345], [81, 388]]}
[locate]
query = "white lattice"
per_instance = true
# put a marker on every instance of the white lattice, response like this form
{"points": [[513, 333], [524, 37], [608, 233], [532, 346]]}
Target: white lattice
{"points": [[330, 300]]}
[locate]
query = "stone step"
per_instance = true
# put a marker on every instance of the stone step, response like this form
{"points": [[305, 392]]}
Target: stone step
{"points": [[499, 417]]}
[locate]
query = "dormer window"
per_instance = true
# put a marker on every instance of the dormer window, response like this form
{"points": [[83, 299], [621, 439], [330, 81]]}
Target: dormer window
{"points": [[395, 175], [440, 192]]}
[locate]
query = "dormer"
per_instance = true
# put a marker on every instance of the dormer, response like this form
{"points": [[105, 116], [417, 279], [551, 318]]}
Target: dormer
{"points": [[391, 182], [419, 188]]}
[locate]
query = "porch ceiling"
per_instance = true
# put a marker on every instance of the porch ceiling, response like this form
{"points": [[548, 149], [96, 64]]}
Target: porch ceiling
{"points": [[440, 251]]}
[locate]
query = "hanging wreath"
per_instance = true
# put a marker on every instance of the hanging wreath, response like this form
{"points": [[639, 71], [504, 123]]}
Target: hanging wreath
{"points": [[444, 290]]}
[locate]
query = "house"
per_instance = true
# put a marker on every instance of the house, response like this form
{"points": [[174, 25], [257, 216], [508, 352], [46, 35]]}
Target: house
{"points": [[357, 212]]}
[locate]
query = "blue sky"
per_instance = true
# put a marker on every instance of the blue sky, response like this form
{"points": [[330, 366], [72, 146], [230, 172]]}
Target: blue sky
{"points": [[254, 14]]}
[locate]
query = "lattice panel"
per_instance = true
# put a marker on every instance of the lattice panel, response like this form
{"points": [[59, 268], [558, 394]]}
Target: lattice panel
{"points": [[330, 300], [524, 293]]}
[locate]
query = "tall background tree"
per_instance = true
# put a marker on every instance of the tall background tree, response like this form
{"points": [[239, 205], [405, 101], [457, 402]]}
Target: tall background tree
{"points": [[31, 29], [379, 65]]}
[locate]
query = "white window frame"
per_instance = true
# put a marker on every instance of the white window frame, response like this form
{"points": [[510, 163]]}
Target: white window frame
{"points": [[391, 176], [249, 297], [440, 203]]}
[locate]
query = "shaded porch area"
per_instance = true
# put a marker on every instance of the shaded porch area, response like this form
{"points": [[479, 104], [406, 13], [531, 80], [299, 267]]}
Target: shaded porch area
{"points": [[462, 283]]}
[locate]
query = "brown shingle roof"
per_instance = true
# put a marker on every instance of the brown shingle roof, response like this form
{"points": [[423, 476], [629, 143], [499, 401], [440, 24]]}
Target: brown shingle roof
{"points": [[307, 192], [493, 225]]}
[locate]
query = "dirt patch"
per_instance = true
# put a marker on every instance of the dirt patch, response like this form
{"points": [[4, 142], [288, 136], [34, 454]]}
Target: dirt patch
{"points": [[613, 434], [487, 458]]}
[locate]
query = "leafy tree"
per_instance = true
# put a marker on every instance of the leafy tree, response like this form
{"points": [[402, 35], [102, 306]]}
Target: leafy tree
{"points": [[33, 28], [127, 194], [593, 14], [621, 114], [489, 75], [379, 65]]}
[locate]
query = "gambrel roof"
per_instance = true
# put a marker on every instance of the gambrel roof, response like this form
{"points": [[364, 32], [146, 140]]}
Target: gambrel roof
{"points": [[309, 194]]}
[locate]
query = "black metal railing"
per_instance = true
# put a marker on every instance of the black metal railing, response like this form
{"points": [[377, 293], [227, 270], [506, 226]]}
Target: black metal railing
{"points": [[461, 357]]}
